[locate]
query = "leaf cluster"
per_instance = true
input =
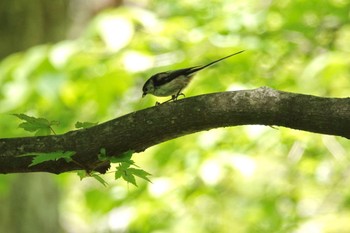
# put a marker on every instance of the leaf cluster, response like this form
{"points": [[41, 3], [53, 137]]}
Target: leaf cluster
{"points": [[123, 170], [40, 126]]}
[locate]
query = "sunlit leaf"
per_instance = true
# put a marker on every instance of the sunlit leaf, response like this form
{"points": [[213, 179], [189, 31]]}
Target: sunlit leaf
{"points": [[128, 174], [118, 174], [128, 177], [140, 173], [39, 125]]}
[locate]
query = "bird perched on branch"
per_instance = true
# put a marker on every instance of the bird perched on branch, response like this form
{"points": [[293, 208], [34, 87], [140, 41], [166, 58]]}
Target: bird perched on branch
{"points": [[171, 83]]}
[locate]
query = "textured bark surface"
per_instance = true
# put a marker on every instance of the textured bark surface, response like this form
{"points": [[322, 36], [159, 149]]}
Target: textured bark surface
{"points": [[139, 130]]}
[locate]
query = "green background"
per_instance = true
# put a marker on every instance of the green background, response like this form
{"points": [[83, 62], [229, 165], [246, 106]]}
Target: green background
{"points": [[238, 179]]}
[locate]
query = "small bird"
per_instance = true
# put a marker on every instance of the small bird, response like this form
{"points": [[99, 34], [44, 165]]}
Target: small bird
{"points": [[171, 83]]}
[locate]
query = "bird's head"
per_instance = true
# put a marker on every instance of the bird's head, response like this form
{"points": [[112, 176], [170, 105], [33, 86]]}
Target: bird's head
{"points": [[148, 87]]}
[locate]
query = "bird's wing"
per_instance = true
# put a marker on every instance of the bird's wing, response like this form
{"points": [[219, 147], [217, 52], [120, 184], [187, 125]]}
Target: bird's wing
{"points": [[166, 77]]}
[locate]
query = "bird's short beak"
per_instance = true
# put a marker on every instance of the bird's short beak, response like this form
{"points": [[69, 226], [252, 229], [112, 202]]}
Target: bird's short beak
{"points": [[144, 94]]}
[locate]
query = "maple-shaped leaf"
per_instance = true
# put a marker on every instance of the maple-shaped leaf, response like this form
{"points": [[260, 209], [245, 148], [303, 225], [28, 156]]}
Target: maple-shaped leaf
{"points": [[128, 174], [129, 177], [140, 173], [39, 125], [122, 171], [50, 156]]}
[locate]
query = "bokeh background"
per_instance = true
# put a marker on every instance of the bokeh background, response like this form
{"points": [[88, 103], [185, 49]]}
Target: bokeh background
{"points": [[87, 61]]}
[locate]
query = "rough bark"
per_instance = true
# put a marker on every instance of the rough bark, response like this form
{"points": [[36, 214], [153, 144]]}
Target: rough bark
{"points": [[139, 130]]}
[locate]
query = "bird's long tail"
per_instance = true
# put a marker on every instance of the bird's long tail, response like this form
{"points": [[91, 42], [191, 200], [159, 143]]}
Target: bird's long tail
{"points": [[195, 69]]}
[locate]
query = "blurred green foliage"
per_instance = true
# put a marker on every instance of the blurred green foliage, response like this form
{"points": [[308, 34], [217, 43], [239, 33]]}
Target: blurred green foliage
{"points": [[241, 179]]}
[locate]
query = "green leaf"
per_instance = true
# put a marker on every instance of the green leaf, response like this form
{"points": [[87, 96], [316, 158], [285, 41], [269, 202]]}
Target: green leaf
{"points": [[122, 171], [39, 125], [127, 154], [128, 177], [82, 174], [124, 166], [99, 179], [102, 156], [140, 173], [118, 174], [43, 131], [128, 174], [123, 158], [51, 156], [84, 125]]}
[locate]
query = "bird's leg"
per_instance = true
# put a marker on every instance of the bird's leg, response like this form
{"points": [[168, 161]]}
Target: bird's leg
{"points": [[178, 94], [173, 97]]}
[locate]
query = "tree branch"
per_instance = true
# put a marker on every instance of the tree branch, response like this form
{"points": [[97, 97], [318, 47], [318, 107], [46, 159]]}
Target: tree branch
{"points": [[141, 129]]}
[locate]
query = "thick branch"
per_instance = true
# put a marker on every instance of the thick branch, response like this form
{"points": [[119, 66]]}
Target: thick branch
{"points": [[139, 130]]}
